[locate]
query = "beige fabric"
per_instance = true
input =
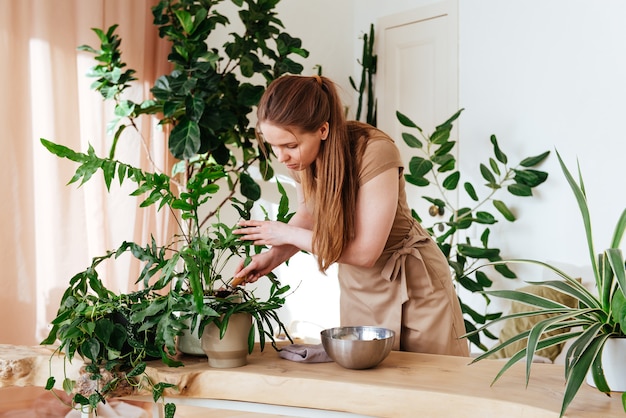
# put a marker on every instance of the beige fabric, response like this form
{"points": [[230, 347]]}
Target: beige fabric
{"points": [[51, 231], [410, 288], [515, 326]]}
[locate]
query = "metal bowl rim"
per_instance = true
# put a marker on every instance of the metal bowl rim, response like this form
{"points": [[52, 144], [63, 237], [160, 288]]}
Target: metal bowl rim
{"points": [[329, 332]]}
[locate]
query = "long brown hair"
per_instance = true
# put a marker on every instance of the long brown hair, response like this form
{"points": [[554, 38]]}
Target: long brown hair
{"points": [[331, 183]]}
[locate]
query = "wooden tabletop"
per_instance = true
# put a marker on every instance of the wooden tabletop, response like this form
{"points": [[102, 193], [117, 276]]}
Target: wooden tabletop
{"points": [[403, 385]]}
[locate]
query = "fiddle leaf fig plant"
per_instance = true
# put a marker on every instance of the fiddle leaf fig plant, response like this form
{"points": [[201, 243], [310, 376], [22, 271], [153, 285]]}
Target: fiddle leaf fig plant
{"points": [[435, 166], [204, 105], [596, 317]]}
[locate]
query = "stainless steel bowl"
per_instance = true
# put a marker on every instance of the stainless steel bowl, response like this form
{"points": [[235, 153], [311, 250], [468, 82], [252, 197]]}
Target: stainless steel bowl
{"points": [[357, 347]]}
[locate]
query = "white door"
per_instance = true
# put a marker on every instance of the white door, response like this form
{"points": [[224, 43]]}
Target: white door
{"points": [[418, 76]]}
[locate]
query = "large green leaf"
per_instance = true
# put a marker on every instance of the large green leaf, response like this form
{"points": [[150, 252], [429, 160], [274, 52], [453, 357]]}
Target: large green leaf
{"points": [[418, 166], [581, 199], [618, 234], [588, 345], [249, 188], [451, 182], [411, 140], [184, 141]]}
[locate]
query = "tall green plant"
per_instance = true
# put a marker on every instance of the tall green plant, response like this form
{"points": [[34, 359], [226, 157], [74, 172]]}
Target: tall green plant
{"points": [[435, 166], [368, 63], [596, 318]]}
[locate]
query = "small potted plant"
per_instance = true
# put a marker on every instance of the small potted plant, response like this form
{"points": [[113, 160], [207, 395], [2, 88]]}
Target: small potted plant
{"points": [[596, 322]]}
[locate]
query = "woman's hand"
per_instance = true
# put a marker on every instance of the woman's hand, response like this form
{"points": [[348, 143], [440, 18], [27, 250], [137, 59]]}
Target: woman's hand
{"points": [[260, 265], [270, 233]]}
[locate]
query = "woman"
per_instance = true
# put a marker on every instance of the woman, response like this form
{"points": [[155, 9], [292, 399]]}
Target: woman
{"points": [[352, 210]]}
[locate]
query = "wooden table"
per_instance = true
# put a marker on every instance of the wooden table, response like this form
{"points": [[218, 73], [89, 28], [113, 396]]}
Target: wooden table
{"points": [[403, 385]]}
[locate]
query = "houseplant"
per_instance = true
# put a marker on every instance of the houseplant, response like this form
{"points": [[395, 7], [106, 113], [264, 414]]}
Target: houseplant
{"points": [[204, 104], [597, 318], [365, 88], [435, 165]]}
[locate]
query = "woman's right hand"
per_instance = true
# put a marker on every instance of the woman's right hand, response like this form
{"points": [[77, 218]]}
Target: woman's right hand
{"points": [[259, 265]]}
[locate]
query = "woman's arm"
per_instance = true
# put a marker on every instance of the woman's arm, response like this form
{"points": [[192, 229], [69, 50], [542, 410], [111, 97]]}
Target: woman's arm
{"points": [[377, 203], [285, 240]]}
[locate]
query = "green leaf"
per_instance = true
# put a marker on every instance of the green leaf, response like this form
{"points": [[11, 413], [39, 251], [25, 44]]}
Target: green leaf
{"points": [[581, 199], [170, 410], [451, 119], [477, 252], [504, 270], [487, 175], [494, 166], [411, 140], [138, 370], [532, 178], [404, 120], [103, 330], [469, 189], [619, 231], [504, 210], [416, 181], [483, 279], [419, 166], [497, 151], [80, 399], [50, 383], [485, 218], [451, 182], [90, 348], [618, 309], [533, 161], [68, 385], [441, 134], [519, 190], [185, 19], [184, 141], [579, 369], [249, 188], [446, 162], [445, 148], [194, 107]]}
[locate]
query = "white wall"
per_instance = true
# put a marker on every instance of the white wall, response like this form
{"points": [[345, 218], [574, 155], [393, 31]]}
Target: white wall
{"points": [[540, 75], [544, 76]]}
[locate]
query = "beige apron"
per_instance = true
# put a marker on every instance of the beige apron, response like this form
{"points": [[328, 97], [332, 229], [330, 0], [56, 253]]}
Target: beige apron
{"points": [[410, 291]]}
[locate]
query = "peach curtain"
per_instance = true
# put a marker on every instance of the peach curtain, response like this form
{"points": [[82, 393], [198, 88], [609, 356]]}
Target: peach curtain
{"points": [[51, 231]]}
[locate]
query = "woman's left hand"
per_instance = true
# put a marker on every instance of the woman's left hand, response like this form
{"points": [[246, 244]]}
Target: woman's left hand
{"points": [[264, 232]]}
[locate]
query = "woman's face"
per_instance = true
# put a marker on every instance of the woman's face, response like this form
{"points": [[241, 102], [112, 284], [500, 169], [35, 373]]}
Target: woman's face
{"points": [[294, 148]]}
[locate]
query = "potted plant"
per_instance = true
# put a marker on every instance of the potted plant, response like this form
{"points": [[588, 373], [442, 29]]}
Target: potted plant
{"points": [[204, 104], [597, 319]]}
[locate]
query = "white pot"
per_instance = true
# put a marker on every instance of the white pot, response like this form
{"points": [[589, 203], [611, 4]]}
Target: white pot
{"points": [[613, 364], [232, 349], [189, 342]]}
